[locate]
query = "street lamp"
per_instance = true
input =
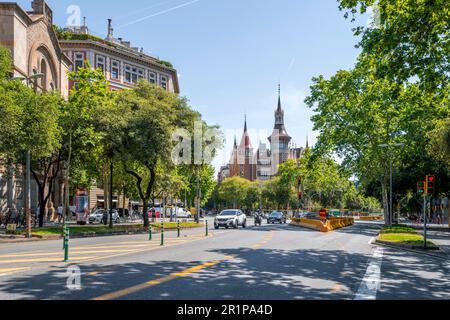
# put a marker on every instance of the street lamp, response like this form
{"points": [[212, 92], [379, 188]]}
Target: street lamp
{"points": [[110, 155], [391, 201], [27, 203]]}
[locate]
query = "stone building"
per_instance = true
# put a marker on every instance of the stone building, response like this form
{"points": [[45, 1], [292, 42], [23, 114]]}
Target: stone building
{"points": [[122, 64], [34, 45], [38, 47], [35, 49], [243, 162]]}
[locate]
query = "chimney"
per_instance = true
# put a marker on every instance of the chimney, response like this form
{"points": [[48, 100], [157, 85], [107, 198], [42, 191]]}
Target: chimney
{"points": [[38, 6], [110, 30]]}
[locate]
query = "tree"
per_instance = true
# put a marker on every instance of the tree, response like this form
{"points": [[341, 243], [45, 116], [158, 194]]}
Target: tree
{"points": [[439, 147], [232, 191], [82, 150], [138, 126]]}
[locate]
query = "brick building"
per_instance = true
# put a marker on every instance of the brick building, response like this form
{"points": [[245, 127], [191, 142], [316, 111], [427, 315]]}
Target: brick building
{"points": [[262, 164]]}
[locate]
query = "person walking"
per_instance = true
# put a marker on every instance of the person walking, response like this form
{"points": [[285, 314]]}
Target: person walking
{"points": [[51, 213], [59, 213]]}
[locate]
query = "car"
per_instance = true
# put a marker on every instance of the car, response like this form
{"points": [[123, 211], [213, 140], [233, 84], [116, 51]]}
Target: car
{"points": [[230, 219], [99, 216], [276, 217], [183, 214]]}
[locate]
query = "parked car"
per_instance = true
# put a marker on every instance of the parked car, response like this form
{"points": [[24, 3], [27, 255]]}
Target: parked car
{"points": [[276, 217], [182, 213], [100, 215], [230, 219]]}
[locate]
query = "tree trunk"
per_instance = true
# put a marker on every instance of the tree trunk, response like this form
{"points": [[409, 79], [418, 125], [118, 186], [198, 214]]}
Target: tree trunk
{"points": [[384, 190], [145, 214]]}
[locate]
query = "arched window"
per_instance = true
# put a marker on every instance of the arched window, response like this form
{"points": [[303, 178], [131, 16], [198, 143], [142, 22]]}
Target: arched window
{"points": [[44, 78]]}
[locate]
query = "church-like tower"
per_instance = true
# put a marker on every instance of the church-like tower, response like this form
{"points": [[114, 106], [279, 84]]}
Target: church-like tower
{"points": [[280, 139], [242, 162]]}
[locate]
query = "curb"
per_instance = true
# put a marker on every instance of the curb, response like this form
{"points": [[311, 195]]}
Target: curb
{"points": [[87, 235], [444, 256]]}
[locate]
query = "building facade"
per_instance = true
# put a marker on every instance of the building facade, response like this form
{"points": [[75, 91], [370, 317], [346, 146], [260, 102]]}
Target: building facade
{"points": [[34, 45], [262, 164], [37, 47], [34, 50], [122, 64]]}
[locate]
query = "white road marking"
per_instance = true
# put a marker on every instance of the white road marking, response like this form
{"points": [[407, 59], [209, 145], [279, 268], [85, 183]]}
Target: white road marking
{"points": [[372, 280], [372, 240]]}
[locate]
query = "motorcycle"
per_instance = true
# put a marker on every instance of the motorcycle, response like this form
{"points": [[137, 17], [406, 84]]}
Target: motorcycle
{"points": [[258, 220]]}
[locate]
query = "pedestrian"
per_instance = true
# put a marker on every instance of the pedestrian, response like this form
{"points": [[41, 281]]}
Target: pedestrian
{"points": [[51, 212], [59, 213]]}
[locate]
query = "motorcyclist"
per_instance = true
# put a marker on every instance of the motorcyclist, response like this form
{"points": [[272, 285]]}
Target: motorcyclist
{"points": [[258, 218]]}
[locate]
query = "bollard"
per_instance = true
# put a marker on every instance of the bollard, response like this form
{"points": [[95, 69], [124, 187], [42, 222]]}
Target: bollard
{"points": [[178, 228], [64, 237], [162, 233], [66, 244], [206, 223], [150, 236]]}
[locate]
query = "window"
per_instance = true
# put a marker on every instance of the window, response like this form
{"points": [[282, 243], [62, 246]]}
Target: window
{"points": [[101, 63], [152, 77], [79, 61], [133, 74], [164, 82], [115, 70]]}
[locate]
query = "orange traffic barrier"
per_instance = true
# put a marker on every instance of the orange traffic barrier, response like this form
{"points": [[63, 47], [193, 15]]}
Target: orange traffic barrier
{"points": [[323, 226]]}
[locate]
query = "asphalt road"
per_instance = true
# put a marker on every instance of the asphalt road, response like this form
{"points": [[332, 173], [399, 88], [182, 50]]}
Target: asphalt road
{"points": [[273, 262]]}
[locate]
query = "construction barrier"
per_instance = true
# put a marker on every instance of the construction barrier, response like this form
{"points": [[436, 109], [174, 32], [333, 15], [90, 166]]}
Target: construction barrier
{"points": [[371, 218], [323, 226]]}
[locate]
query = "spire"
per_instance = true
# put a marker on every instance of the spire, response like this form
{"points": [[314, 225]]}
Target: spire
{"points": [[235, 142], [279, 98], [307, 142], [245, 125]]}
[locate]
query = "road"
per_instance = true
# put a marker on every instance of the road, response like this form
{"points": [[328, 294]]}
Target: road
{"points": [[269, 263]]}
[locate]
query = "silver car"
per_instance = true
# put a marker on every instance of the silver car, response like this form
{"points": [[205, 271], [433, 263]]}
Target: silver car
{"points": [[230, 219], [100, 215]]}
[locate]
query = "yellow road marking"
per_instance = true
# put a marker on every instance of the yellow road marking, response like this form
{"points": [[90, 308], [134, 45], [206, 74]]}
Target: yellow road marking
{"points": [[41, 260], [140, 287], [9, 271]]}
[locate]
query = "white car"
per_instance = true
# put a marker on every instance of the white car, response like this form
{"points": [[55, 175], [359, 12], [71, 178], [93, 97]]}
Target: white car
{"points": [[230, 219], [183, 214], [100, 215]]}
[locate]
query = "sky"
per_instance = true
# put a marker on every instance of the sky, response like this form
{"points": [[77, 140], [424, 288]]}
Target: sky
{"points": [[232, 54]]}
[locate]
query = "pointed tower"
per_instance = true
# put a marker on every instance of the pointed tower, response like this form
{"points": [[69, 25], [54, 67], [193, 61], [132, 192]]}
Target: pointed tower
{"points": [[243, 159], [280, 139]]}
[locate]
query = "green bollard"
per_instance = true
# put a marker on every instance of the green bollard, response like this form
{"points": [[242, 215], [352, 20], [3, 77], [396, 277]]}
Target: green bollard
{"points": [[66, 245], [178, 228], [162, 233], [150, 235], [207, 231], [64, 237]]}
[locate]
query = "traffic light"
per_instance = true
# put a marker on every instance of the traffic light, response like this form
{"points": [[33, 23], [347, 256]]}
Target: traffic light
{"points": [[421, 188], [430, 184]]}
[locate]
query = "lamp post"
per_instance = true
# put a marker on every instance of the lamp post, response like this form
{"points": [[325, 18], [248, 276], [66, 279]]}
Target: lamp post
{"points": [[27, 203], [391, 178], [111, 171]]}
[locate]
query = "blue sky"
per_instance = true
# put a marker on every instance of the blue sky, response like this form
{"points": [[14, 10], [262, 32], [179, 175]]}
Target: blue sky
{"points": [[231, 54]]}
